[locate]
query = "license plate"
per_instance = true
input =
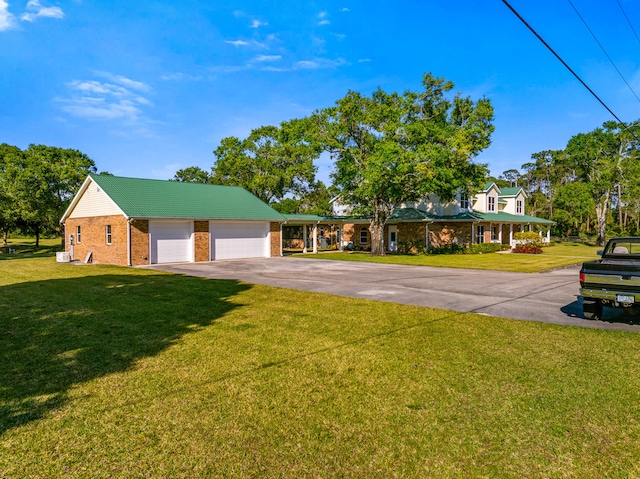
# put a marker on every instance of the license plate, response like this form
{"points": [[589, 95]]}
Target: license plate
{"points": [[622, 298]]}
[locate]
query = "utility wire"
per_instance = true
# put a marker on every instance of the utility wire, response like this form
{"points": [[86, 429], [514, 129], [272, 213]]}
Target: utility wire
{"points": [[561, 60], [628, 21], [603, 50]]}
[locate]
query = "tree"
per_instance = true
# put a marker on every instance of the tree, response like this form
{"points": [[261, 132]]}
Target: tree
{"points": [[394, 148], [511, 176], [9, 156], [271, 163], [192, 174], [600, 158], [42, 182]]}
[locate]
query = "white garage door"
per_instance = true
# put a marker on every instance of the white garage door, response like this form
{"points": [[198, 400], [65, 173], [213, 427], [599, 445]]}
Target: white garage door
{"points": [[171, 241], [239, 240]]}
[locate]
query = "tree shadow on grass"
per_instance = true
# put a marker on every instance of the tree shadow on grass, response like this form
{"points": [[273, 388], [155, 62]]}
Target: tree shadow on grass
{"points": [[58, 333], [21, 251]]}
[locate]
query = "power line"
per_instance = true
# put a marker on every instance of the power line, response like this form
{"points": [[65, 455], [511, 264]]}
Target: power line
{"points": [[603, 50], [561, 60], [628, 21]]}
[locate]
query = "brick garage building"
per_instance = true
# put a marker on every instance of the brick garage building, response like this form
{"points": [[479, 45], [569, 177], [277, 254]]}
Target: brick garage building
{"points": [[130, 221]]}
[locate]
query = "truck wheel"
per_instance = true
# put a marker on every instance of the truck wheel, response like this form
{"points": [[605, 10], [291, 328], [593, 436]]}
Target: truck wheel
{"points": [[591, 308]]}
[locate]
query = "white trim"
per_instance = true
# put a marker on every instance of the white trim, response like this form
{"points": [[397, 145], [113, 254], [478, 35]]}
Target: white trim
{"points": [[83, 188]]}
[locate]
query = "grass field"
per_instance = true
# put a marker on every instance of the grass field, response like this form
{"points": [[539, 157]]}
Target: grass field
{"points": [[121, 372], [556, 256]]}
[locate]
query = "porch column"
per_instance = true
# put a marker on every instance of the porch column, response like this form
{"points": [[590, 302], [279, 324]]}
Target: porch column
{"points": [[473, 233], [315, 238], [304, 238], [549, 234], [511, 235], [500, 233]]}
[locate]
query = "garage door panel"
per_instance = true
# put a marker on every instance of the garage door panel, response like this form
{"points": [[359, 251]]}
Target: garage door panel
{"points": [[233, 240], [171, 242]]}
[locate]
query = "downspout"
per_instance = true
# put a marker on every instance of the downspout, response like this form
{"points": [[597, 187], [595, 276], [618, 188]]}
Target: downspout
{"points": [[128, 241]]}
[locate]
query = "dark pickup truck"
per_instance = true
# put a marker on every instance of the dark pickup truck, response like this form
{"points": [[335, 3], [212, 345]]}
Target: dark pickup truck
{"points": [[613, 280]]}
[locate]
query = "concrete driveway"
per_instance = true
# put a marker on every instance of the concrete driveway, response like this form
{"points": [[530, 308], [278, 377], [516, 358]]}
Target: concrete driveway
{"points": [[550, 297]]}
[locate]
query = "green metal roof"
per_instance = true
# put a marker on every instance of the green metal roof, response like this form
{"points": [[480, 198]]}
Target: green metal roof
{"points": [[409, 214], [308, 218], [510, 191], [141, 198], [502, 217]]}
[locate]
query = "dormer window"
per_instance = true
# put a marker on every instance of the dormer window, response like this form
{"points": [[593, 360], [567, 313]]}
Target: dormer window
{"points": [[491, 203], [464, 202], [519, 207]]}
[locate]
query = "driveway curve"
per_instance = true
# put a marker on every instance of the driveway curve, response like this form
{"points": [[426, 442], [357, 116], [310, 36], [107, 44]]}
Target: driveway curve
{"points": [[550, 297]]}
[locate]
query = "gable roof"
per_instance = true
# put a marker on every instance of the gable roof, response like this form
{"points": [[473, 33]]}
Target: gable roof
{"points": [[143, 198], [514, 191]]}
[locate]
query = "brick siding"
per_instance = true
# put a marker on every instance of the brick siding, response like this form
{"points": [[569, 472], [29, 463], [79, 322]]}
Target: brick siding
{"points": [[274, 229], [93, 238], [201, 241], [441, 234], [140, 253]]}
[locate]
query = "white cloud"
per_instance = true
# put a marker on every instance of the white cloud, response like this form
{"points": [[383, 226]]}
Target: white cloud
{"points": [[119, 99], [237, 43], [364, 60], [319, 63], [267, 58], [124, 81], [257, 24], [339, 36], [245, 43], [36, 10], [180, 76], [345, 9], [274, 69], [322, 19], [6, 17]]}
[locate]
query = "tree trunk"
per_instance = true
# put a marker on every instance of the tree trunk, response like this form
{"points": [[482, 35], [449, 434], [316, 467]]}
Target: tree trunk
{"points": [[601, 218], [5, 239], [37, 237], [376, 228], [620, 205], [377, 240]]}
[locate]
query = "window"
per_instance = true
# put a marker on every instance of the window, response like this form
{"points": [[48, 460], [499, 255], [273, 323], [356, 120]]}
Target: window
{"points": [[519, 207], [479, 234], [363, 235], [464, 202], [492, 203], [77, 234], [108, 234]]}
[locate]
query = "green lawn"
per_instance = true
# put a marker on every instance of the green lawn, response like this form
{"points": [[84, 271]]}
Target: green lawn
{"points": [[120, 372], [557, 256]]}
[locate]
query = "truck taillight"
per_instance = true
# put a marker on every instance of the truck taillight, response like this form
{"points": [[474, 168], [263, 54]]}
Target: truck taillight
{"points": [[583, 277]]}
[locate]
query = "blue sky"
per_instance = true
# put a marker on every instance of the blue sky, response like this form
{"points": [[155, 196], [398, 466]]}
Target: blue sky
{"points": [[146, 88]]}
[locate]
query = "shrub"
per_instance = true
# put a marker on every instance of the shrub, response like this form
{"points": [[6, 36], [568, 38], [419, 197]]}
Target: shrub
{"points": [[487, 247], [527, 237], [528, 249], [453, 248]]}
